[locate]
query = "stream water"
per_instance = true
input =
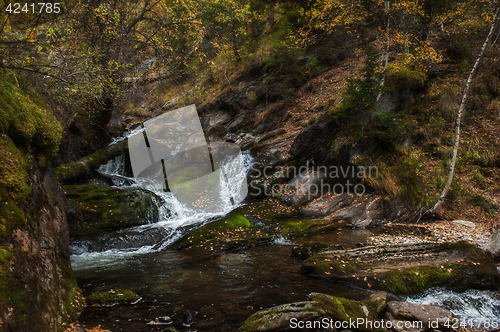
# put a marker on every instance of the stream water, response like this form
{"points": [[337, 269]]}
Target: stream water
{"points": [[221, 289]]}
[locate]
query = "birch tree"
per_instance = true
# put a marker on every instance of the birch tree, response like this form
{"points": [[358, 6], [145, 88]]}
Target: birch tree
{"points": [[465, 96]]}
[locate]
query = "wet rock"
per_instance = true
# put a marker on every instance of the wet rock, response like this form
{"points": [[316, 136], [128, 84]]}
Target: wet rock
{"points": [[278, 318], [92, 209], [408, 268], [405, 316], [309, 248], [111, 297], [234, 231]]}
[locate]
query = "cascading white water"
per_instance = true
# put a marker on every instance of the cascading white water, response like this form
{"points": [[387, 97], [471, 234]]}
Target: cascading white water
{"points": [[472, 308], [172, 213]]}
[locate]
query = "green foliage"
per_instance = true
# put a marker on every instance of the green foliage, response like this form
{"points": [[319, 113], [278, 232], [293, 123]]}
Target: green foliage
{"points": [[361, 93]]}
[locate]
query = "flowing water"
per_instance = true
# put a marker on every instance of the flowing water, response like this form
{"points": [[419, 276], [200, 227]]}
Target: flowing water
{"points": [[222, 289]]}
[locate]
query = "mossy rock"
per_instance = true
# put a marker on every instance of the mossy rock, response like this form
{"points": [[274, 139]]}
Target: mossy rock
{"points": [[408, 269], [278, 318], [230, 232], [29, 122], [309, 226], [93, 209], [344, 310], [112, 297]]}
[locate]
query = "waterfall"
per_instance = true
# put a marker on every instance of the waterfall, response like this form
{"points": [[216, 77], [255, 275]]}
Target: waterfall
{"points": [[174, 216]]}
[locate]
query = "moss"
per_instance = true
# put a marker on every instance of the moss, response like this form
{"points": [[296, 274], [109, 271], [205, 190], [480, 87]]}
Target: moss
{"points": [[116, 296], [80, 169], [93, 208], [252, 323], [229, 232], [72, 304], [14, 178], [32, 128], [415, 280], [296, 226], [302, 227]]}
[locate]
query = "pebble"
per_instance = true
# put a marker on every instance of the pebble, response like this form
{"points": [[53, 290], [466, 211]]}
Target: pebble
{"points": [[440, 232]]}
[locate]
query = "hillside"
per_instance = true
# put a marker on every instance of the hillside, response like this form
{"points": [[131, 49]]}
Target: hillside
{"points": [[361, 95]]}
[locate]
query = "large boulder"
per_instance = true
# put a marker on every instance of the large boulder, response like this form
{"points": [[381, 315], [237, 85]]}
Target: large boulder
{"points": [[282, 317], [92, 209], [321, 312]]}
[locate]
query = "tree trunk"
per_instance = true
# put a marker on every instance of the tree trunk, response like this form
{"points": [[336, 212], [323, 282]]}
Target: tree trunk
{"points": [[459, 115], [385, 50]]}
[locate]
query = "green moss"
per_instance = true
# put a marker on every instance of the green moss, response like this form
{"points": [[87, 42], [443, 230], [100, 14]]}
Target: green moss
{"points": [[72, 304], [229, 232], [14, 178], [297, 226], [238, 221], [32, 128], [252, 323], [116, 296], [301, 227], [93, 208], [415, 280]]}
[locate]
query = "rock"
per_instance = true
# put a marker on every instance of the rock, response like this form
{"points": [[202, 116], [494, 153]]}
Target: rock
{"points": [[342, 309], [315, 141], [320, 309], [309, 248], [234, 231], [304, 188], [357, 211], [464, 223], [279, 318], [407, 314], [214, 119], [38, 290], [113, 296], [380, 299], [408, 268], [493, 243], [92, 209]]}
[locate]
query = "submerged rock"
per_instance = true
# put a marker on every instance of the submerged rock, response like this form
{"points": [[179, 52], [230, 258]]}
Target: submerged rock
{"points": [[309, 248], [92, 209], [408, 268], [111, 297]]}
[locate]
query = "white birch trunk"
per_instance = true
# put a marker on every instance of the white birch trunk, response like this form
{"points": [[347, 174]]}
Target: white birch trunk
{"points": [[459, 115]]}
